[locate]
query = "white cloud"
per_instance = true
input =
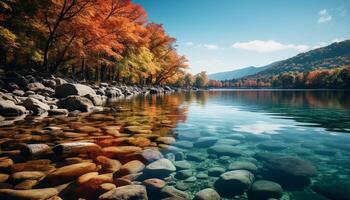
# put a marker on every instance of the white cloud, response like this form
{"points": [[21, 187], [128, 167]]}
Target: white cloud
{"points": [[323, 44], [211, 46], [324, 16], [268, 46], [189, 43]]}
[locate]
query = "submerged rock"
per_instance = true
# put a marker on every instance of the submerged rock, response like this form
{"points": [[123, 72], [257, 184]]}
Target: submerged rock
{"points": [[262, 190], [289, 171], [34, 194], [224, 150], [205, 142], [160, 168], [243, 165], [170, 191], [333, 190], [207, 194], [128, 192], [233, 183]]}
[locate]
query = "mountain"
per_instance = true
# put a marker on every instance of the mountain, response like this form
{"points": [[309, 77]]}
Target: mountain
{"points": [[236, 74], [328, 57]]}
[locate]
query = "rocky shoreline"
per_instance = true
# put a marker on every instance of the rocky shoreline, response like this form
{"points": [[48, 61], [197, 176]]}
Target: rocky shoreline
{"points": [[29, 95]]}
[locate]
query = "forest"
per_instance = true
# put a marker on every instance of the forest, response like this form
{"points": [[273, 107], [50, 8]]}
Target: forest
{"points": [[97, 40], [337, 78]]}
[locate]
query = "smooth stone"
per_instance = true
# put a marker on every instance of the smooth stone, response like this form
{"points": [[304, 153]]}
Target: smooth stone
{"points": [[224, 150], [154, 183], [33, 194], [183, 174], [77, 147], [263, 189], [120, 151], [34, 149], [150, 155], [202, 175], [170, 191], [68, 89], [10, 109], [207, 194], [132, 167], [128, 192], [58, 111], [108, 165], [233, 183], [243, 165], [198, 157], [227, 142], [182, 164], [160, 168], [307, 196], [27, 175], [72, 103], [35, 105], [184, 144], [205, 142], [105, 187], [26, 184], [70, 172], [166, 140], [216, 171], [191, 179], [4, 178], [189, 136], [181, 186], [122, 182], [333, 189]]}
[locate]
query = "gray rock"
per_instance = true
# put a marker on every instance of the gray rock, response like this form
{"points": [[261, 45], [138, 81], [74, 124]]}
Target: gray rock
{"points": [[224, 150], [73, 103], [10, 109], [233, 183], [68, 89], [198, 157], [243, 165], [97, 100], [182, 164], [262, 190], [170, 191], [205, 142], [183, 174], [272, 145], [36, 106], [207, 194], [216, 171], [160, 168], [128, 192], [58, 112]]}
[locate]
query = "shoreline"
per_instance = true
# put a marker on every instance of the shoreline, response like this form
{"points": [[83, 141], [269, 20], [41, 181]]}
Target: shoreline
{"points": [[35, 95]]}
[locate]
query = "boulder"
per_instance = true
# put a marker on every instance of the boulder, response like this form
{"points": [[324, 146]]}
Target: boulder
{"points": [[73, 103], [154, 184], [128, 192], [159, 169], [35, 105], [233, 183], [68, 89], [131, 167], [262, 190], [289, 171], [333, 189], [10, 109], [205, 142], [149, 155], [77, 148], [32, 194], [34, 149], [207, 194], [170, 191], [243, 165], [33, 175], [224, 150]]}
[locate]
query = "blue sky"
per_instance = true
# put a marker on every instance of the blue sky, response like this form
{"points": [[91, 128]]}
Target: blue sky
{"points": [[222, 35]]}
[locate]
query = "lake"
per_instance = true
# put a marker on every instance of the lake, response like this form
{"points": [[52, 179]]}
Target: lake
{"points": [[255, 144]]}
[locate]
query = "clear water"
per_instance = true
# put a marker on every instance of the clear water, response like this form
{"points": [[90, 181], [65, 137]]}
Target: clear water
{"points": [[313, 126]]}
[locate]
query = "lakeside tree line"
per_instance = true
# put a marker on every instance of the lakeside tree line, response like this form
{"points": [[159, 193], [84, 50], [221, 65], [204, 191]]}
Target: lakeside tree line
{"points": [[100, 40], [337, 78]]}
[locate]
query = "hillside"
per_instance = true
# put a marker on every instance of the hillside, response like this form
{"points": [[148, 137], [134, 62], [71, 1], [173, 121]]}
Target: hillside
{"points": [[236, 74], [331, 56]]}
